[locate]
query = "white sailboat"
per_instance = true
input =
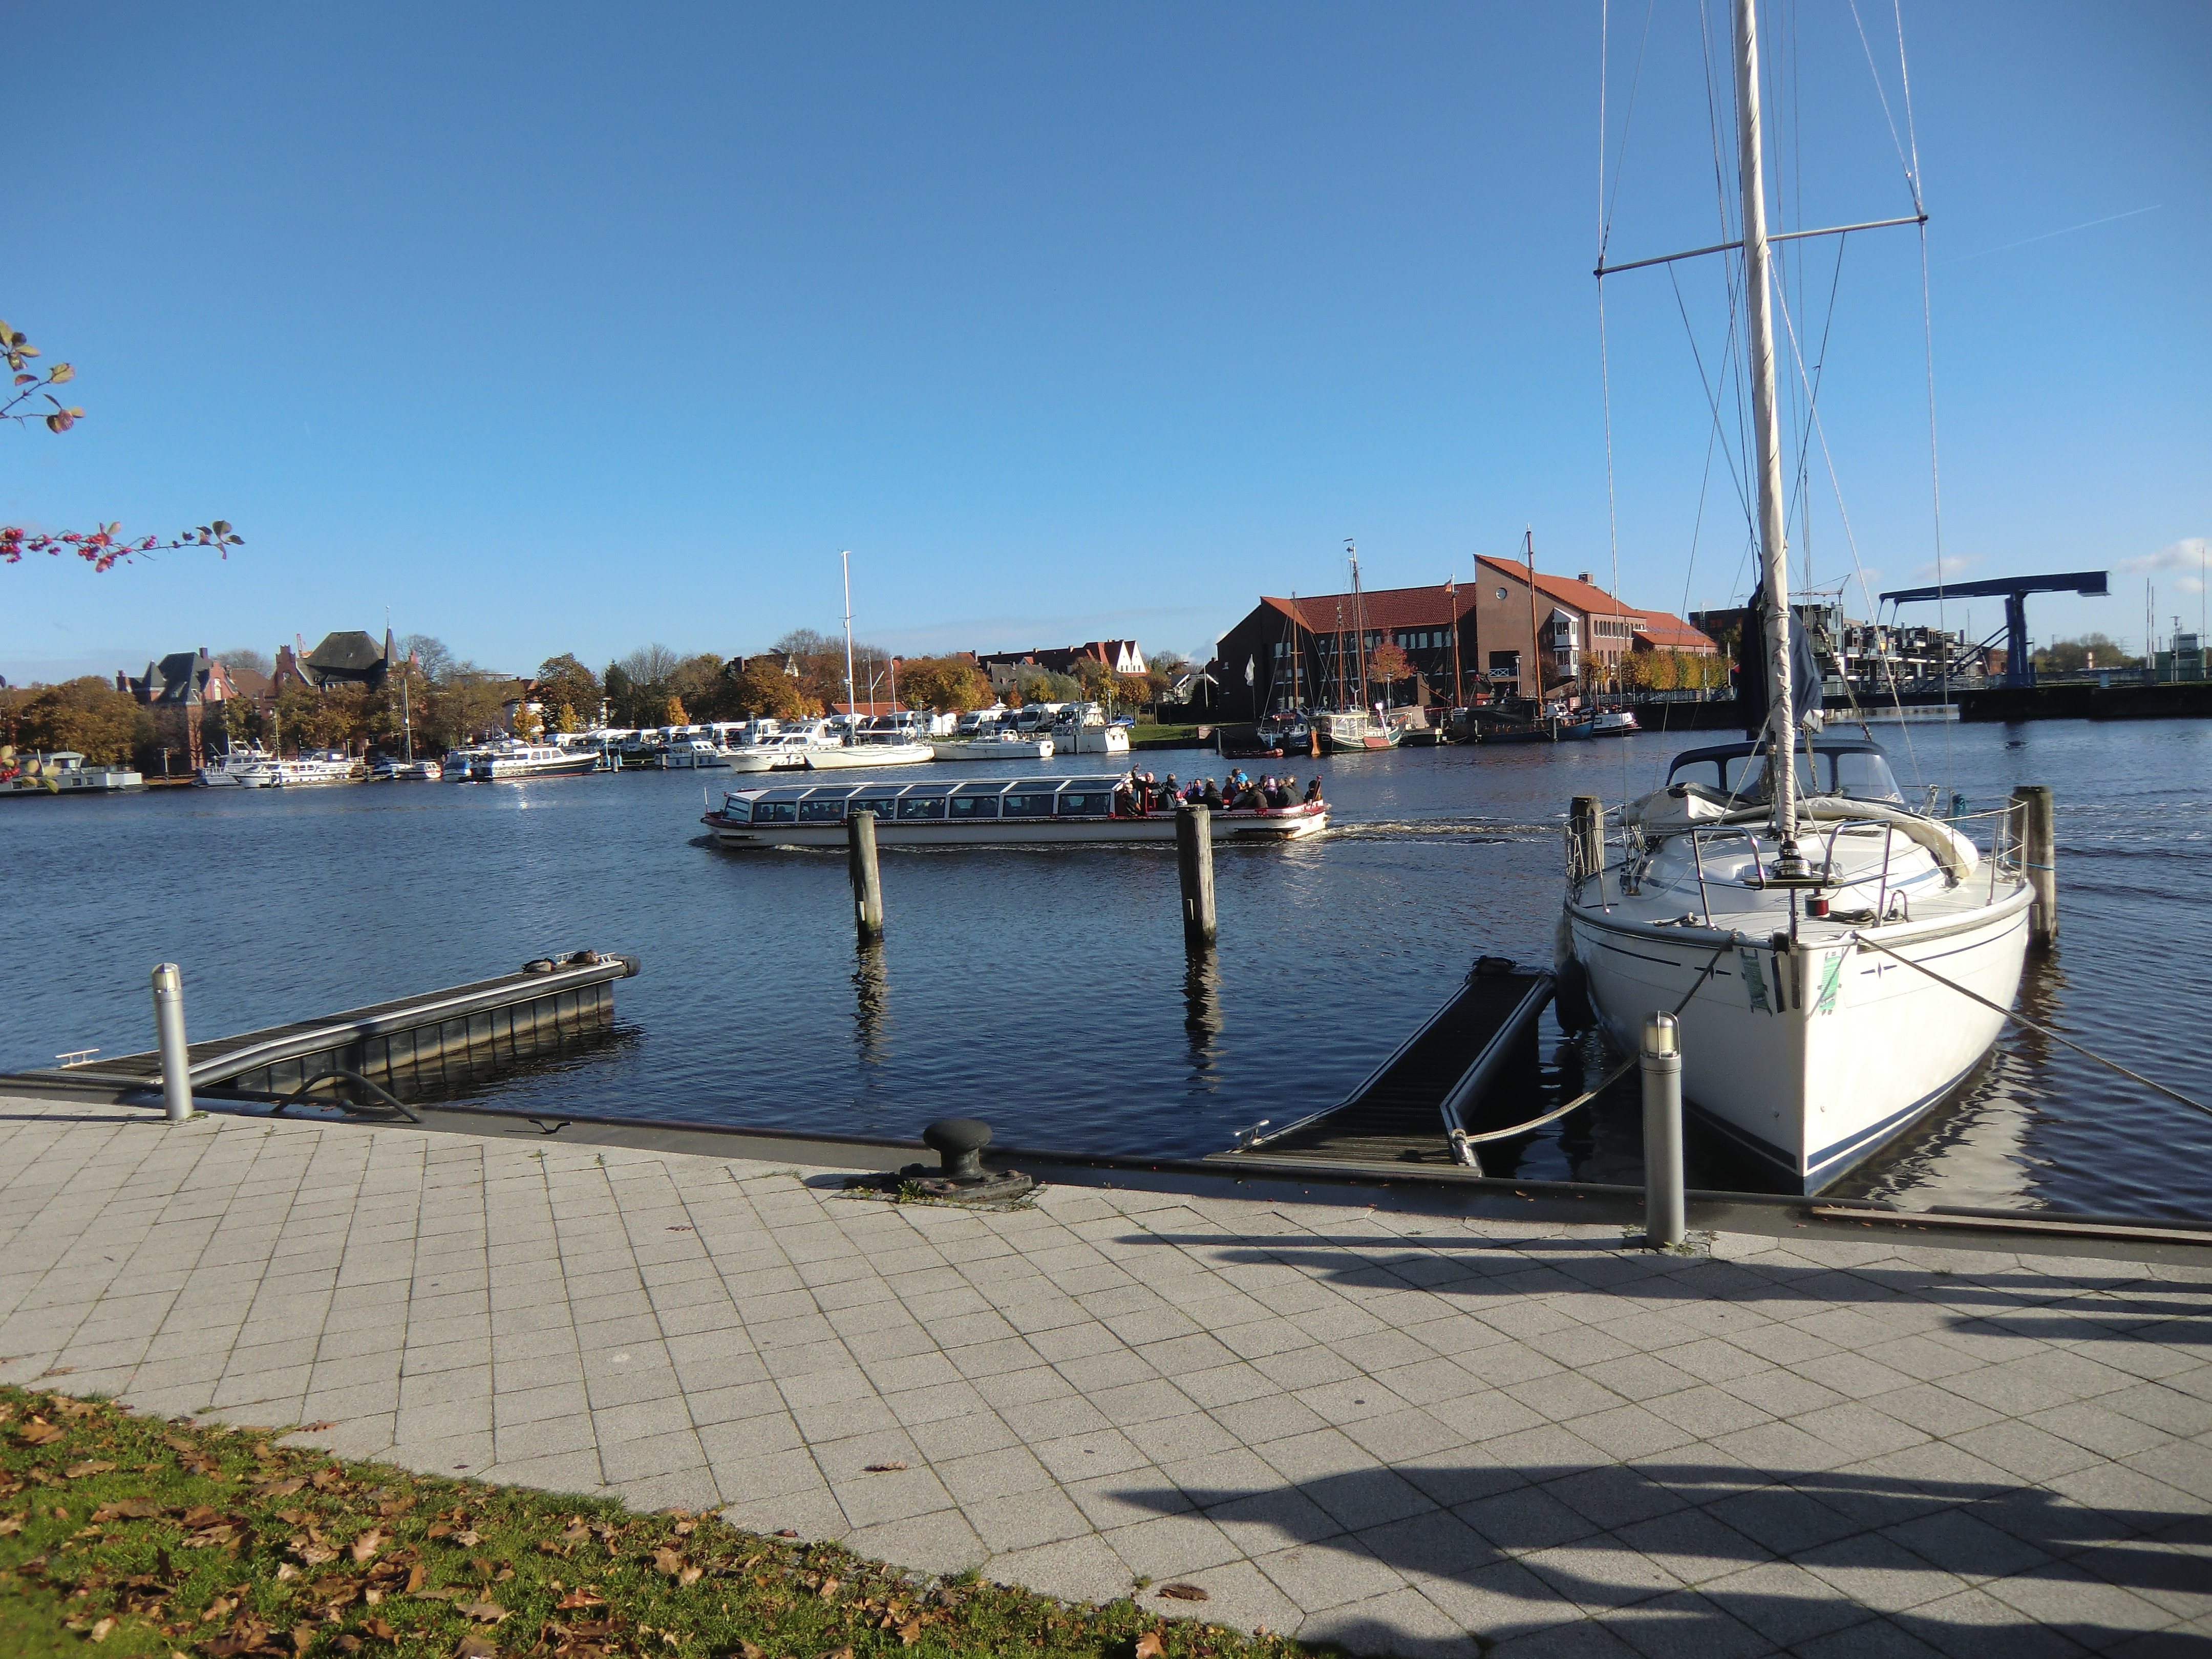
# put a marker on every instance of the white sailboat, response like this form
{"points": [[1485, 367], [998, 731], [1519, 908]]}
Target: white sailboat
{"points": [[1773, 896]]}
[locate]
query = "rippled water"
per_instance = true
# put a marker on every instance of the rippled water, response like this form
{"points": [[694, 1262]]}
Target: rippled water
{"points": [[1046, 989]]}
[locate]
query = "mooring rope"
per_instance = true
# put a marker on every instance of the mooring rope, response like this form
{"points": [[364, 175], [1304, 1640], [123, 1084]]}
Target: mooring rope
{"points": [[1460, 1138], [2040, 1030]]}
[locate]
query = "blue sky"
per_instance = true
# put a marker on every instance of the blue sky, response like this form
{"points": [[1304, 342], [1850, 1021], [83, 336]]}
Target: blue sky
{"points": [[558, 328]]}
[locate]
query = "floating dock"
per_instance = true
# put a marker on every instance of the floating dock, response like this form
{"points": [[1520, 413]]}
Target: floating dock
{"points": [[1439, 1079], [432, 1041]]}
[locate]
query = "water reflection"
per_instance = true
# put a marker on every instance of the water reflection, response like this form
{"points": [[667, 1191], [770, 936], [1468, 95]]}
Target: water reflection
{"points": [[870, 1013], [1202, 1019]]}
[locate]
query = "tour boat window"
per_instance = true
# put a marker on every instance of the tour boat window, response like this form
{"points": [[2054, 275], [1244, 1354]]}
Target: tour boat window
{"points": [[1028, 804], [775, 811], [922, 806], [1074, 804], [974, 806], [822, 811]]}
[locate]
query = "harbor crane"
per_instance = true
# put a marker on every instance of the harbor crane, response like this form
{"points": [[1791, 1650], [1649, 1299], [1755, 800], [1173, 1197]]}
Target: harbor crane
{"points": [[2019, 668]]}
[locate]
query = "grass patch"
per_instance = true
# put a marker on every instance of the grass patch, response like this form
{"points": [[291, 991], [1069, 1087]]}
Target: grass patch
{"points": [[1142, 733], [125, 1535]]}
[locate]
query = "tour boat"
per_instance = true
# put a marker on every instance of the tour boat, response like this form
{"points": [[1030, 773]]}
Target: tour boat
{"points": [[514, 761], [63, 773], [983, 813], [1775, 895], [993, 746]]}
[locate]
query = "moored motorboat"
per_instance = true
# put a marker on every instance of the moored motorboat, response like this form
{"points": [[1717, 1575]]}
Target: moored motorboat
{"points": [[994, 746], [329, 766], [228, 770], [983, 813], [397, 770], [1354, 731], [63, 772], [513, 762]]}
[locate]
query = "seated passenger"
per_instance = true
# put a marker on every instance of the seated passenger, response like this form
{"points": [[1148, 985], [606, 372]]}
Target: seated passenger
{"points": [[1313, 792], [1212, 796], [1247, 799], [1279, 795]]}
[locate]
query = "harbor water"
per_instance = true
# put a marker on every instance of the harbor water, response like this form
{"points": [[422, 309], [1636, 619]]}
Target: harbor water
{"points": [[1048, 990]]}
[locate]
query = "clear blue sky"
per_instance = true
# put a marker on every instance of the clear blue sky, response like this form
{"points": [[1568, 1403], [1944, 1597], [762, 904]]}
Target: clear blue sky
{"points": [[566, 329]]}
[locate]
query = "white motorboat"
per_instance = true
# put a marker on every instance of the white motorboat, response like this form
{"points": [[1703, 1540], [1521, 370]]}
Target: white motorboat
{"points": [[1353, 730], [1614, 723], [397, 770], [228, 770], [515, 761], [303, 770], [63, 772], [984, 813], [994, 746], [785, 750], [694, 753], [865, 749], [1775, 897]]}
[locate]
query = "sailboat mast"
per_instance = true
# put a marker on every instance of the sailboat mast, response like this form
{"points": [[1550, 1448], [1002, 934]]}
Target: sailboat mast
{"points": [[1773, 537], [1358, 625], [851, 708]]}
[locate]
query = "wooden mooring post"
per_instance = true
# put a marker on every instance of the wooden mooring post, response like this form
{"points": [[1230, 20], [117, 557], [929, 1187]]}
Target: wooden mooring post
{"points": [[2039, 853], [1586, 829], [1194, 870], [868, 879]]}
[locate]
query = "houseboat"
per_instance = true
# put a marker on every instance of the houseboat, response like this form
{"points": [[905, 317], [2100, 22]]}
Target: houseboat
{"points": [[63, 773]]}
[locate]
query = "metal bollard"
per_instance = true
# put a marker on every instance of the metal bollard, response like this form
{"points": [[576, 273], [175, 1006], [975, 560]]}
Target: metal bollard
{"points": [[868, 879], [169, 1031], [1663, 1224], [1194, 873]]}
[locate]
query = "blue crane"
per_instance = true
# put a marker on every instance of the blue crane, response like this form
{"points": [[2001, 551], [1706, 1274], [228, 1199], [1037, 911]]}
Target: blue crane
{"points": [[2020, 670]]}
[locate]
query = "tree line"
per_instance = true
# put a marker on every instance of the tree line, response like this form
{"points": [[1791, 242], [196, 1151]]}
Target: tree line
{"points": [[443, 702]]}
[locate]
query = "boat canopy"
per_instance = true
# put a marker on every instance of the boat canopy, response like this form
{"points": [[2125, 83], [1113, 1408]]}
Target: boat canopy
{"points": [[972, 799], [1854, 766]]}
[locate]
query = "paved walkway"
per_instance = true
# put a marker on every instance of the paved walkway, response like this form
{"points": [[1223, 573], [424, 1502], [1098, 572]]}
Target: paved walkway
{"points": [[1385, 1429]]}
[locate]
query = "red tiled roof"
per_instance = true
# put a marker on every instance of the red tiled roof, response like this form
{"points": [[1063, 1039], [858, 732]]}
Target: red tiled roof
{"points": [[1385, 607], [1564, 590], [1664, 631]]}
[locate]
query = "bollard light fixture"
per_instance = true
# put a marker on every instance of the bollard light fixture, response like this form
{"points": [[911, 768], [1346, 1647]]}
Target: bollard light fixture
{"points": [[1663, 1035]]}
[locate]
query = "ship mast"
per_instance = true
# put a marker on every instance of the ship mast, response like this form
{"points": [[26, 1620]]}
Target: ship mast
{"points": [[851, 710], [1773, 541]]}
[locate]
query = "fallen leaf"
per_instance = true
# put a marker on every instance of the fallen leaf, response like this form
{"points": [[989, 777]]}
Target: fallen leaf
{"points": [[58, 1370], [788, 1532], [829, 1590], [488, 1613], [476, 1645], [275, 1488], [910, 1631], [128, 1509], [39, 1432], [1184, 1592], [366, 1546], [690, 1575], [750, 1650], [883, 1469], [579, 1598], [90, 1465], [303, 1638], [845, 1652], [286, 1573], [415, 1576], [468, 1538], [99, 1631], [314, 1428], [667, 1560], [1148, 1646], [10, 1524], [379, 1629]]}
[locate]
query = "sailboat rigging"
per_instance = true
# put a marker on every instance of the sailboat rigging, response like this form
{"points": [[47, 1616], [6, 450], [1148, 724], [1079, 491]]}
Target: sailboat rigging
{"points": [[1770, 893]]}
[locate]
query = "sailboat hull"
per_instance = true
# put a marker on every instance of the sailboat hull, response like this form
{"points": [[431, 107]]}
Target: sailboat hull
{"points": [[1810, 1060]]}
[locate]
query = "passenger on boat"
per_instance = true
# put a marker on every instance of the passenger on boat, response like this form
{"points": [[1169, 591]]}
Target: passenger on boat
{"points": [[1313, 792], [1128, 799], [1277, 792], [1212, 796], [1169, 792]]}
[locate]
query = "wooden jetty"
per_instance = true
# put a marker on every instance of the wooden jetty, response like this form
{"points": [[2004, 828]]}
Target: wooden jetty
{"points": [[433, 1040], [1440, 1078]]}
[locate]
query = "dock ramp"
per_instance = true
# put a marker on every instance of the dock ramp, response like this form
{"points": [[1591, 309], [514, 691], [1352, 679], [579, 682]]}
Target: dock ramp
{"points": [[1437, 1080]]}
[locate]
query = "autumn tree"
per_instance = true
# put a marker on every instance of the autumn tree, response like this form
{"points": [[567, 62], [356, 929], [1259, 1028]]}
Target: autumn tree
{"points": [[88, 715], [565, 682], [1387, 664], [698, 681], [947, 684], [762, 689]]}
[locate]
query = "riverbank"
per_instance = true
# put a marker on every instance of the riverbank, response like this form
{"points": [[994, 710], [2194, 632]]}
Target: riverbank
{"points": [[1384, 1421]]}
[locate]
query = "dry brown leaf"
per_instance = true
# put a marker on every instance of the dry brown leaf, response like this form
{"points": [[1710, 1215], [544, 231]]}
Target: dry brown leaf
{"points": [[579, 1598], [90, 1465], [910, 1631], [1184, 1592], [10, 1524], [845, 1652], [367, 1545], [468, 1538], [1148, 1646], [39, 1432], [690, 1575], [476, 1645], [750, 1650], [488, 1613], [667, 1560], [99, 1631], [275, 1488], [415, 1576], [829, 1590], [128, 1509], [303, 1638], [892, 1466], [314, 1554]]}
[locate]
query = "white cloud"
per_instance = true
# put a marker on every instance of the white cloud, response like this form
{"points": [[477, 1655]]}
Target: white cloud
{"points": [[2189, 554], [1954, 567]]}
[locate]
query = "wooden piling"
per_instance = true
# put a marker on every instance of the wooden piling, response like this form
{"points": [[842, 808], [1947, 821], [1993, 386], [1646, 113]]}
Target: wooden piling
{"points": [[1586, 833], [868, 879], [2039, 853], [1194, 869]]}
